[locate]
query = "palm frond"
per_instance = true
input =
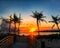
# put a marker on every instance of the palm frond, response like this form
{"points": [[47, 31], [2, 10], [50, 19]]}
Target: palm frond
{"points": [[34, 16], [15, 18], [34, 13], [53, 26], [40, 14], [43, 20], [11, 18], [57, 26], [43, 16], [51, 21], [53, 17]]}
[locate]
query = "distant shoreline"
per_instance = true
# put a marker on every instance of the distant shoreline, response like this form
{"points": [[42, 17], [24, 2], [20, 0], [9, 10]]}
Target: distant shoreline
{"points": [[49, 31]]}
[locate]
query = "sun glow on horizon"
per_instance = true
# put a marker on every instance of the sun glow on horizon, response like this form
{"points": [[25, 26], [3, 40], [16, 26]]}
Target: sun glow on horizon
{"points": [[32, 29]]}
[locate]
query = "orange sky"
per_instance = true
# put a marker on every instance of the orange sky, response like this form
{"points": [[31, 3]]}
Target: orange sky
{"points": [[26, 27], [28, 24]]}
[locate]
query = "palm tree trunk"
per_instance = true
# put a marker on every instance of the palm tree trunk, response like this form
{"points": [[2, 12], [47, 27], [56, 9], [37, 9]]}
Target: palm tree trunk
{"points": [[19, 29], [9, 26], [15, 32], [57, 26], [15, 28], [38, 26]]}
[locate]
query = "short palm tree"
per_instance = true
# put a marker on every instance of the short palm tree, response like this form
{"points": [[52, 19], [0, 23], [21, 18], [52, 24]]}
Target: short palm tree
{"points": [[56, 21], [39, 17]]}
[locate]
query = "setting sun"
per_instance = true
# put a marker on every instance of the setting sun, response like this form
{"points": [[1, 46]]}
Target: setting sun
{"points": [[32, 29]]}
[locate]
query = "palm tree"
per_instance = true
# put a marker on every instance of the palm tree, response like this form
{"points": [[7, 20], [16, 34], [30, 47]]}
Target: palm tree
{"points": [[15, 20], [11, 19], [19, 21], [56, 21], [39, 17]]}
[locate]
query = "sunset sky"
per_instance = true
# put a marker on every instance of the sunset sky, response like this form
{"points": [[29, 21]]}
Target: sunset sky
{"points": [[25, 7]]}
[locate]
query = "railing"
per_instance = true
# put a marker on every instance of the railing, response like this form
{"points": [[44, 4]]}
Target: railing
{"points": [[6, 42]]}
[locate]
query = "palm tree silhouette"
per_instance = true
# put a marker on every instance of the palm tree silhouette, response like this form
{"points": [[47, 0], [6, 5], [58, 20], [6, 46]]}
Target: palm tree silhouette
{"points": [[19, 21], [56, 21], [11, 19], [39, 17], [15, 21]]}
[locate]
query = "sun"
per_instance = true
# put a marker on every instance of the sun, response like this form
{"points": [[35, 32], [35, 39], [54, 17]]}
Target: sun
{"points": [[32, 29]]}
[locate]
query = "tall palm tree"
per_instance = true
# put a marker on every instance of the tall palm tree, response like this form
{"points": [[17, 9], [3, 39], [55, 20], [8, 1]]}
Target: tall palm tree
{"points": [[56, 21], [39, 17], [15, 20], [19, 21]]}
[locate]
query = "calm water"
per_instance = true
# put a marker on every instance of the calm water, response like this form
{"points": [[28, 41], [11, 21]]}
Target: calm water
{"points": [[41, 33]]}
